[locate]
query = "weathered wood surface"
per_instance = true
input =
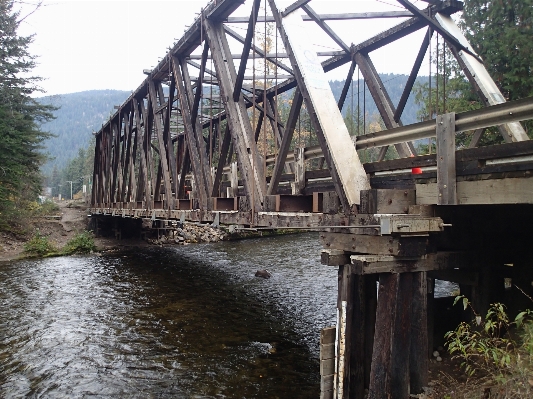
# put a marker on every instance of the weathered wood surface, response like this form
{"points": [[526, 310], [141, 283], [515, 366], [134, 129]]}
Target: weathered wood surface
{"points": [[479, 192], [373, 244]]}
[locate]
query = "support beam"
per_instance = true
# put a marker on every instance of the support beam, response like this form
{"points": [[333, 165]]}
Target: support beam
{"points": [[330, 32], [250, 163], [193, 150], [199, 87], [412, 77], [346, 169], [163, 161], [197, 127], [332, 17], [257, 50], [224, 147], [437, 27], [294, 6], [285, 142], [246, 50], [346, 87]]}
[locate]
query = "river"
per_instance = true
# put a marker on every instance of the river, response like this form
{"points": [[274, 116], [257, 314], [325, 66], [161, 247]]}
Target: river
{"points": [[183, 322]]}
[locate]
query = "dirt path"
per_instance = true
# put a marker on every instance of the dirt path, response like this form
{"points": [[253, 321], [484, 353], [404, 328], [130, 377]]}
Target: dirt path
{"points": [[59, 228]]}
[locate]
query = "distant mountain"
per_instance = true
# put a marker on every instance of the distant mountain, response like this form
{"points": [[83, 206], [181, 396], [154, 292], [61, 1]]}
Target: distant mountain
{"points": [[79, 115]]}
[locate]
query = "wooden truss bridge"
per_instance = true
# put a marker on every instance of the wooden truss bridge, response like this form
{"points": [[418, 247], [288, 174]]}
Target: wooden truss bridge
{"points": [[204, 139]]}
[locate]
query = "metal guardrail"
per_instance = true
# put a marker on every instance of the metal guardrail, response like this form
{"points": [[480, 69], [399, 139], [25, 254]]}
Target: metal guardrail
{"points": [[513, 111]]}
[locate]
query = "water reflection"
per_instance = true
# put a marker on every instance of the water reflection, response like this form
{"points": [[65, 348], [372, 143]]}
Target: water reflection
{"points": [[166, 322]]}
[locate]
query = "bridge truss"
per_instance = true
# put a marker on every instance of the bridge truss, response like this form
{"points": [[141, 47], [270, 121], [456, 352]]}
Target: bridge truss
{"points": [[205, 140]]}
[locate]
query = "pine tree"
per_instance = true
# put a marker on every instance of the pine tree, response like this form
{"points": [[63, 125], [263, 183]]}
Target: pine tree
{"points": [[501, 32], [20, 116]]}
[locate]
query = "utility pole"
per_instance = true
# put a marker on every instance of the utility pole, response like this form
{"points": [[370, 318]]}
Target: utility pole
{"points": [[69, 181]]}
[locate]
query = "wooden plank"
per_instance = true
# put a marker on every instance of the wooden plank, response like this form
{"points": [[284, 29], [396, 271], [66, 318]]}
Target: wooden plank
{"points": [[370, 322], [386, 201], [334, 257], [446, 178], [327, 335], [372, 264], [418, 358], [401, 339], [379, 245], [380, 374], [345, 309], [327, 367], [326, 384], [357, 337], [494, 191], [327, 351]]}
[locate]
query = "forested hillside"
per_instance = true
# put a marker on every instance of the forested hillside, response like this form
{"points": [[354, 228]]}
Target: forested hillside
{"points": [[79, 115]]}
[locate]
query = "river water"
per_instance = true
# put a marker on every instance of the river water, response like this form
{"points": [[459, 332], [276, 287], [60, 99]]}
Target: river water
{"points": [[182, 322]]}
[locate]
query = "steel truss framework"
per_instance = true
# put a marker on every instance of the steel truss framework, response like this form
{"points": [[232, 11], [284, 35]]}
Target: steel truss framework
{"points": [[173, 139]]}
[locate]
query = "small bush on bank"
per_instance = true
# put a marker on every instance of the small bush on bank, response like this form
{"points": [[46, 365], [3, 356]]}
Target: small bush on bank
{"points": [[497, 351], [81, 243], [39, 245]]}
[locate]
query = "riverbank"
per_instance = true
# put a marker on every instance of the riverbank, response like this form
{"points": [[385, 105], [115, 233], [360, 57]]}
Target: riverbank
{"points": [[59, 228]]}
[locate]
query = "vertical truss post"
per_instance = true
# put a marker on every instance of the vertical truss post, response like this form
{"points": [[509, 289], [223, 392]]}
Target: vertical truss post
{"points": [[167, 136], [286, 141], [96, 171], [116, 158], [237, 116], [127, 147], [197, 134], [224, 147], [446, 178], [163, 161], [148, 124], [192, 142], [347, 172], [143, 185]]}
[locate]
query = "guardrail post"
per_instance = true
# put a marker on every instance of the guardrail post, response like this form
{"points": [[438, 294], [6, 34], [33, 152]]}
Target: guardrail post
{"points": [[446, 178]]}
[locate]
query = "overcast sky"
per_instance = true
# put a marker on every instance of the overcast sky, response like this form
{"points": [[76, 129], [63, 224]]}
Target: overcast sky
{"points": [[88, 45]]}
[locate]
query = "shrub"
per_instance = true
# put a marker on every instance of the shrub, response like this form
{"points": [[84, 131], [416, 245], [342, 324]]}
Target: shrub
{"points": [[39, 245], [498, 348], [81, 243]]}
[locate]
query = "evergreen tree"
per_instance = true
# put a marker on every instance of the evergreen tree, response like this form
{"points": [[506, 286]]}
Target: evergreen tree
{"points": [[20, 115], [501, 32]]}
